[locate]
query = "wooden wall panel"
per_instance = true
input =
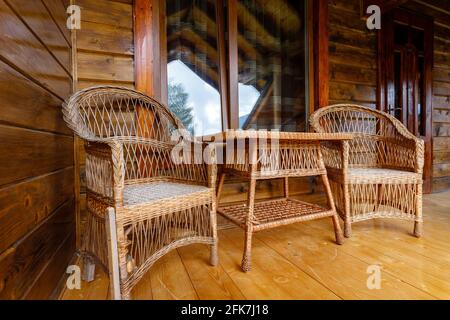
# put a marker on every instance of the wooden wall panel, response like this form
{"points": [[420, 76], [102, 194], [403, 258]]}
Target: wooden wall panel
{"points": [[352, 55], [57, 9], [107, 39], [22, 265], [20, 46], [34, 153], [107, 12], [38, 18], [24, 205], [44, 286], [99, 67], [36, 158], [38, 108]]}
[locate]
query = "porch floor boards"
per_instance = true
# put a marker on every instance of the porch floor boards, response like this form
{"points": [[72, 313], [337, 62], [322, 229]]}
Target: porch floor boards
{"points": [[301, 261]]}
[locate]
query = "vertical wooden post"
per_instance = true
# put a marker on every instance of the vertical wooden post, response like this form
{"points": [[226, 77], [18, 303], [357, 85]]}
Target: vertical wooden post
{"points": [[233, 64], [113, 255], [223, 74], [321, 91], [146, 43]]}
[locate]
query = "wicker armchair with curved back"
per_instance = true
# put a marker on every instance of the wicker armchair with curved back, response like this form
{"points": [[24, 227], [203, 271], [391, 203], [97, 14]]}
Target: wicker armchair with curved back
{"points": [[378, 174], [143, 197]]}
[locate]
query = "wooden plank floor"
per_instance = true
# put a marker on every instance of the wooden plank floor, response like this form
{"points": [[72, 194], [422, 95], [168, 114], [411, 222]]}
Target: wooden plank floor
{"points": [[301, 261]]}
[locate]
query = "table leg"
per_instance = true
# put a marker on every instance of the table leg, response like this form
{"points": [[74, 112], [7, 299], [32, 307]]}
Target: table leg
{"points": [[336, 225], [220, 187], [247, 258], [286, 187]]}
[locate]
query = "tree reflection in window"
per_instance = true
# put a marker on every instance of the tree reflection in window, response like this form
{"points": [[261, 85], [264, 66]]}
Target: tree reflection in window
{"points": [[178, 103]]}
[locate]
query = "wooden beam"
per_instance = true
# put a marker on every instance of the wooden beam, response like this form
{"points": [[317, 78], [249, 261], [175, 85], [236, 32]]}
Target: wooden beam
{"points": [[223, 80], [146, 42], [321, 86], [233, 59]]}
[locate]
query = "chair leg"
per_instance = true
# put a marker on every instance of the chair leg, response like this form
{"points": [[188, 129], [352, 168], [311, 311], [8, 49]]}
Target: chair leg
{"points": [[247, 258], [214, 256], [220, 187], [418, 229], [418, 224], [347, 229], [347, 223], [113, 255], [337, 229]]}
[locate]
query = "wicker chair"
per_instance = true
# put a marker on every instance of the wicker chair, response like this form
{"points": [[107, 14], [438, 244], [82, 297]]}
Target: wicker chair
{"points": [[140, 202], [379, 173]]}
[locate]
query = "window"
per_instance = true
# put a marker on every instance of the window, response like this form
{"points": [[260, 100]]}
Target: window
{"points": [[267, 70], [271, 68], [192, 65]]}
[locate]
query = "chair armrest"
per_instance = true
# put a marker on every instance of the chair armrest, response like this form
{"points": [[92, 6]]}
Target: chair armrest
{"points": [[336, 154], [105, 169], [405, 152], [195, 162]]}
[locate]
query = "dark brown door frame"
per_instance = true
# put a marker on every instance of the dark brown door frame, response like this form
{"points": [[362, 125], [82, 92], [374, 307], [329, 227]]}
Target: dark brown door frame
{"points": [[385, 91]]}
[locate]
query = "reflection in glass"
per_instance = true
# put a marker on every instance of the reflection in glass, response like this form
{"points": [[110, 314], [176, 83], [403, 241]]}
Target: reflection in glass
{"points": [[271, 49], [192, 69]]}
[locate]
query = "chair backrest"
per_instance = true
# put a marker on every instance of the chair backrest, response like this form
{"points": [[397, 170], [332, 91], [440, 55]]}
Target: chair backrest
{"points": [[103, 112], [143, 126], [380, 140]]}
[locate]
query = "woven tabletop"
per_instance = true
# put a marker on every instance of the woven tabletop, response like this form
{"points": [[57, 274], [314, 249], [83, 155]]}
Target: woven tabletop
{"points": [[260, 134]]}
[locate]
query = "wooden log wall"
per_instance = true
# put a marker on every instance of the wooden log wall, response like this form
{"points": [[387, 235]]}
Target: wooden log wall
{"points": [[352, 55], [353, 69], [105, 54], [37, 226]]}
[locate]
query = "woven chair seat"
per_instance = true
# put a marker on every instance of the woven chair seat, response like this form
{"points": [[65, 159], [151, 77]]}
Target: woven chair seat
{"points": [[134, 194], [380, 175]]}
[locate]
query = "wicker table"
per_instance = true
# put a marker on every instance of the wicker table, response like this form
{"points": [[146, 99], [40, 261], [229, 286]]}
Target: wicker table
{"points": [[259, 155]]}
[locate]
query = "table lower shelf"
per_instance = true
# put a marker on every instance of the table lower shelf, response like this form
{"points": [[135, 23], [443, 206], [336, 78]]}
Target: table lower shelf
{"points": [[273, 213]]}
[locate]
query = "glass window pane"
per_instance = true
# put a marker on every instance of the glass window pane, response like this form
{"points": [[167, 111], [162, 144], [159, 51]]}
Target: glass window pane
{"points": [[271, 50], [193, 65]]}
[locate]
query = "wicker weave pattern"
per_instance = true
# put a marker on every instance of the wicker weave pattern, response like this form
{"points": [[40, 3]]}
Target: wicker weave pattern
{"points": [[160, 204], [379, 172], [283, 159]]}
